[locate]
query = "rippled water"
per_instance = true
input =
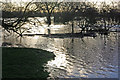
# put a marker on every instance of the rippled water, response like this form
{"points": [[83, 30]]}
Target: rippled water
{"points": [[77, 57]]}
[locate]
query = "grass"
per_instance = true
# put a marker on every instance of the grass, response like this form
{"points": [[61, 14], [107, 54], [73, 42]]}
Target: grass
{"points": [[24, 62]]}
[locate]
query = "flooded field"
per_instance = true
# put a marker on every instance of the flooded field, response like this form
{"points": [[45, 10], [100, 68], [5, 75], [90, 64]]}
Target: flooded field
{"points": [[85, 57], [76, 57]]}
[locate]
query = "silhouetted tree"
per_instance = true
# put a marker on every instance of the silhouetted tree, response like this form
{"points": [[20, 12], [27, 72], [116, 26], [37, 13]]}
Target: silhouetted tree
{"points": [[16, 24], [48, 8]]}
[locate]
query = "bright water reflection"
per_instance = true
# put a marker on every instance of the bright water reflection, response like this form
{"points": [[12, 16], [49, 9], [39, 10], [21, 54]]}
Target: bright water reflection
{"points": [[77, 57]]}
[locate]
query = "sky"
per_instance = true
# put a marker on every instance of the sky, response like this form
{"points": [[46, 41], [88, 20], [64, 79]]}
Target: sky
{"points": [[19, 2], [59, 0]]}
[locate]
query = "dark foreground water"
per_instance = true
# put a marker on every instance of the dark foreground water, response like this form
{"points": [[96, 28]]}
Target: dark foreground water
{"points": [[76, 57]]}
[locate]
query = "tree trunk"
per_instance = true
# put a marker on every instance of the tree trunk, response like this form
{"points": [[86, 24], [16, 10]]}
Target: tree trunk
{"points": [[49, 32], [49, 23], [72, 27], [105, 27]]}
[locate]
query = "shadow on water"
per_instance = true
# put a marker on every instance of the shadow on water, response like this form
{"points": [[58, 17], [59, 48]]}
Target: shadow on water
{"points": [[70, 35]]}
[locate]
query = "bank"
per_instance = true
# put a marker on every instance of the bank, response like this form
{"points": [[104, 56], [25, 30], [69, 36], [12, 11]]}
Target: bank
{"points": [[24, 62]]}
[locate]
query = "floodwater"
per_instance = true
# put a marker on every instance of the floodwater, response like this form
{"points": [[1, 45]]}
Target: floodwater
{"points": [[76, 57]]}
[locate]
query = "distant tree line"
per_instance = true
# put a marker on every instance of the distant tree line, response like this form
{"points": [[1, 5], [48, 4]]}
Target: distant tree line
{"points": [[87, 15]]}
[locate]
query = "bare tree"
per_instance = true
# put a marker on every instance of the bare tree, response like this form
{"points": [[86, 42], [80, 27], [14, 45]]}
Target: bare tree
{"points": [[48, 8], [15, 25]]}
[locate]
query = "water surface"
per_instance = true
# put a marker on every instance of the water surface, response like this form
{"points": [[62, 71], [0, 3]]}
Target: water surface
{"points": [[77, 57], [86, 57]]}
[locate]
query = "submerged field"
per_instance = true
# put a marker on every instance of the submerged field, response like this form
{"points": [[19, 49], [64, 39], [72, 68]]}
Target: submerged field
{"points": [[24, 62]]}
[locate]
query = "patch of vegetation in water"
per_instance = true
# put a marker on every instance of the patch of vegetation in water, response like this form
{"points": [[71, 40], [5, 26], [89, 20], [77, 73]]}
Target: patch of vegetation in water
{"points": [[24, 62]]}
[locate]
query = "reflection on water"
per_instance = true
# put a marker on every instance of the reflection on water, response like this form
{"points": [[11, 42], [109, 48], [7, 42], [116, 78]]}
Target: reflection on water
{"points": [[77, 57]]}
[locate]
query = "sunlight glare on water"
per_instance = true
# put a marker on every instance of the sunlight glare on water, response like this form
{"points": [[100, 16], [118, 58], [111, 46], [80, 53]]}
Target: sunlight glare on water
{"points": [[75, 57], [78, 57]]}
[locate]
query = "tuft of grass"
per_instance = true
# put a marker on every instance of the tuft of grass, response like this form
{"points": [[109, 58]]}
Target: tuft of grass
{"points": [[24, 62]]}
